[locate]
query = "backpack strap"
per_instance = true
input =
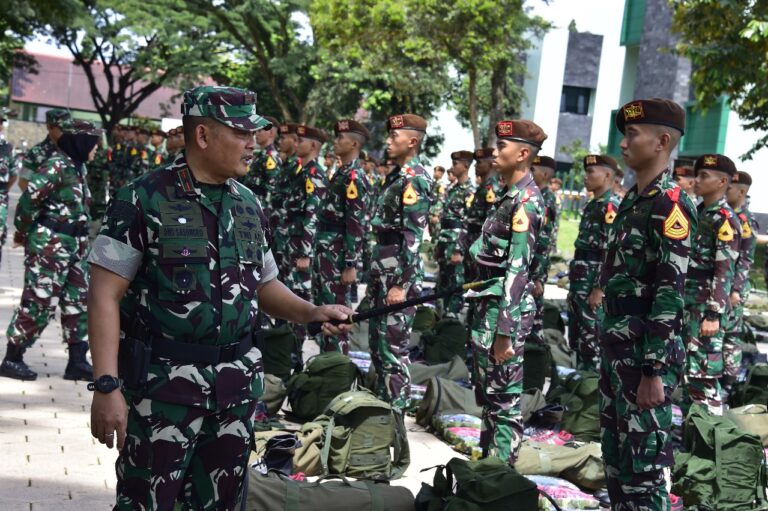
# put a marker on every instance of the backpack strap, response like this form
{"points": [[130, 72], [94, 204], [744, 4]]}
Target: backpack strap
{"points": [[718, 461], [402, 448], [325, 452], [377, 503], [292, 493]]}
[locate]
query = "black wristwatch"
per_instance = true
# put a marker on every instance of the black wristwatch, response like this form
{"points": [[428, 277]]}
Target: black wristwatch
{"points": [[351, 264], [649, 370], [711, 315], [105, 384]]}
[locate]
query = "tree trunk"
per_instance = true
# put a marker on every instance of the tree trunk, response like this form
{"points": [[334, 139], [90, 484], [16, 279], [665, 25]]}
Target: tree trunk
{"points": [[496, 113], [473, 105]]}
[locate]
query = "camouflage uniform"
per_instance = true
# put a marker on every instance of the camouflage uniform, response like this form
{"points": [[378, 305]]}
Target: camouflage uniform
{"points": [[7, 172], [504, 252], [262, 176], [596, 221], [544, 248], [278, 218], [195, 256], [642, 277], [122, 164], [714, 252], [437, 197], [341, 236], [399, 220], [485, 198], [453, 239], [97, 177], [35, 157]]}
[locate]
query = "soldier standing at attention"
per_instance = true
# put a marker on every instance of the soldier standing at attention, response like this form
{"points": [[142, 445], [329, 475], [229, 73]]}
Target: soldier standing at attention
{"points": [[503, 311], [733, 341], [585, 299], [278, 215], [487, 192], [452, 242], [711, 273], [52, 223], [642, 354], [396, 273], [341, 230], [7, 179], [685, 177], [39, 153], [159, 154], [265, 168]]}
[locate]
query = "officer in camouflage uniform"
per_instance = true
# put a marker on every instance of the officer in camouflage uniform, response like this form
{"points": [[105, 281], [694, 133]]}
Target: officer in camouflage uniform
{"points": [[487, 192], [734, 329], [308, 185], [399, 220], [341, 228], [39, 153], [7, 179], [183, 264], [278, 214], [437, 194], [52, 223], [642, 277], [503, 311], [711, 273], [685, 176], [585, 308], [265, 169], [452, 240]]}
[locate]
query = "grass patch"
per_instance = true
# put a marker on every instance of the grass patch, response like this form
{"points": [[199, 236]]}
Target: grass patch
{"points": [[566, 236]]}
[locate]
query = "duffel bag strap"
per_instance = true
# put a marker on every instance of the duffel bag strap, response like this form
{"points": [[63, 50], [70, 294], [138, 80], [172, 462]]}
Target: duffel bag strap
{"points": [[402, 448], [325, 452]]}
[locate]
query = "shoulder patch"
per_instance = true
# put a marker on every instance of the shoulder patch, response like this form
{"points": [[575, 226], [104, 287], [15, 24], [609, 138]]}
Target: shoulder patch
{"points": [[470, 199], [271, 164], [520, 221], [352, 190], [309, 187], [410, 196], [746, 229], [610, 214], [489, 195], [725, 233], [676, 225]]}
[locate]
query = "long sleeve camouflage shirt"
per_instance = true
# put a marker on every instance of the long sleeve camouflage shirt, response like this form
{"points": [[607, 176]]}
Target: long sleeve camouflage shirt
{"points": [[747, 246], [309, 186], [36, 156], [453, 219], [596, 221], [262, 176], [544, 241], [485, 197], [346, 205]]}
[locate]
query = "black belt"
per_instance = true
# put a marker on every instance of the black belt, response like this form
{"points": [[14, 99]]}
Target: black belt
{"points": [[62, 228], [451, 224], [583, 254], [189, 353], [490, 272], [389, 238], [474, 228], [324, 226], [699, 274], [628, 306]]}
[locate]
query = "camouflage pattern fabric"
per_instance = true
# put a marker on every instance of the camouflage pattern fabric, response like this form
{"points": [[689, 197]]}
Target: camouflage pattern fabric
{"points": [[401, 209], [97, 177], [596, 221], [711, 273], [55, 267], [506, 307], [35, 157], [174, 452], [341, 237], [263, 174], [7, 171], [122, 165], [375, 186], [544, 248], [278, 218], [228, 105], [437, 196], [646, 259], [734, 329], [159, 157], [143, 160], [453, 239]]}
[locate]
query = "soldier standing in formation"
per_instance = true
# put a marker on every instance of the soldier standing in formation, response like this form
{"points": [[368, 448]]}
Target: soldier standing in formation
{"points": [[399, 220], [7, 179], [265, 169], [642, 353], [158, 154], [39, 153], [585, 299], [504, 310], [452, 241], [685, 177], [278, 215], [487, 192]]}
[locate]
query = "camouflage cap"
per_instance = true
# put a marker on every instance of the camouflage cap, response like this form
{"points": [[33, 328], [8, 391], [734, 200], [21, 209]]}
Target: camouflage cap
{"points": [[742, 178], [55, 116], [466, 156], [407, 122], [484, 153], [231, 106], [310, 132], [601, 160], [716, 162], [351, 126], [527, 132], [545, 161], [80, 127], [658, 111]]}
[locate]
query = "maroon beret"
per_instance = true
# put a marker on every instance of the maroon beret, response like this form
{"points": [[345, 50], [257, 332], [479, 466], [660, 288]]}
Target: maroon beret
{"points": [[684, 170], [742, 178], [484, 153], [545, 161], [715, 162], [601, 160], [288, 128], [651, 111], [351, 126], [527, 132], [310, 132], [272, 120], [407, 122], [466, 156]]}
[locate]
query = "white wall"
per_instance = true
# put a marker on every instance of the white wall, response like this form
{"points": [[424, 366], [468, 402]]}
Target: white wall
{"points": [[737, 142]]}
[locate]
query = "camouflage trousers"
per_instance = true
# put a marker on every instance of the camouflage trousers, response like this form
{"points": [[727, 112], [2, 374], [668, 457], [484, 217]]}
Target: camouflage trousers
{"points": [[450, 276], [330, 290], [583, 322], [388, 339], [536, 334], [704, 363], [300, 282], [498, 386], [636, 443], [175, 453], [733, 340], [280, 252], [3, 218], [51, 270]]}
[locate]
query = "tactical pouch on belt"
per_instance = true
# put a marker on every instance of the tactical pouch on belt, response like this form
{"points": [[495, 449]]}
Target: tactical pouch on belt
{"points": [[133, 362]]}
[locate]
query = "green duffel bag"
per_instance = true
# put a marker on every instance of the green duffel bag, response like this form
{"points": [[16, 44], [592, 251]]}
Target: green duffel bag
{"points": [[426, 318], [537, 365], [274, 393], [483, 485], [276, 492], [579, 394], [455, 370], [723, 467], [447, 340], [446, 396], [281, 351], [562, 354], [552, 317], [326, 376], [580, 464], [752, 419], [754, 391]]}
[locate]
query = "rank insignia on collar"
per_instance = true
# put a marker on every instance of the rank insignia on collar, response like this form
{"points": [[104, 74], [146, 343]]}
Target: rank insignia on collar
{"points": [[676, 225]]}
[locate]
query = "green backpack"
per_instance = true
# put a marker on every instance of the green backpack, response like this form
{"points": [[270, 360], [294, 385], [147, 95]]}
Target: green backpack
{"points": [[488, 484], [326, 376], [537, 365], [579, 393], [754, 391], [444, 396], [551, 316], [281, 351], [723, 467], [446, 340], [426, 318], [360, 429]]}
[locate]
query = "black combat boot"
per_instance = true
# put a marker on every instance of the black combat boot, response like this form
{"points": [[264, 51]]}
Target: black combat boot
{"points": [[78, 367], [13, 365]]}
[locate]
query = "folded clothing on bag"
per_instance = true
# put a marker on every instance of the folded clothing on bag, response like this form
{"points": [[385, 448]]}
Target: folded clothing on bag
{"points": [[546, 436], [464, 440], [567, 495], [454, 420], [361, 359]]}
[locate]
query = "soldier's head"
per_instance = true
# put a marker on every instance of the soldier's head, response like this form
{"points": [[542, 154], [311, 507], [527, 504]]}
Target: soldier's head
{"points": [[451, 176], [483, 161], [555, 184], [53, 119], [461, 160], [79, 139], [350, 137], [129, 133], [599, 173], [438, 172], [219, 125], [288, 139], [738, 190], [157, 137], [517, 144], [310, 142], [406, 132], [652, 129], [142, 136], [266, 136], [714, 173], [684, 175], [544, 169]]}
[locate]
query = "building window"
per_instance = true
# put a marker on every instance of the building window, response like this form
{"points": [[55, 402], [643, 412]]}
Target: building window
{"points": [[575, 100]]}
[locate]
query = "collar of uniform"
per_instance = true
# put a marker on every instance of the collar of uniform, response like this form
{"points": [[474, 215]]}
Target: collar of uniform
{"points": [[412, 163], [719, 204], [657, 184], [524, 183], [232, 189], [186, 184], [605, 196]]}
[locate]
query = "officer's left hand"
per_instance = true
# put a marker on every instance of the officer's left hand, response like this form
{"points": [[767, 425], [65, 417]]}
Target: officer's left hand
{"points": [[302, 263], [323, 313], [710, 327], [456, 258], [735, 298], [650, 392], [348, 276], [502, 349], [396, 294], [538, 289]]}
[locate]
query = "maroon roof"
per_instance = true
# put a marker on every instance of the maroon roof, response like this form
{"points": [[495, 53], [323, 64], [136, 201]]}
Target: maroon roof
{"points": [[61, 83]]}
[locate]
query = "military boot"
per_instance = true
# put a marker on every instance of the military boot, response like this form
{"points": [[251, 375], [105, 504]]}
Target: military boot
{"points": [[13, 365], [78, 367]]}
